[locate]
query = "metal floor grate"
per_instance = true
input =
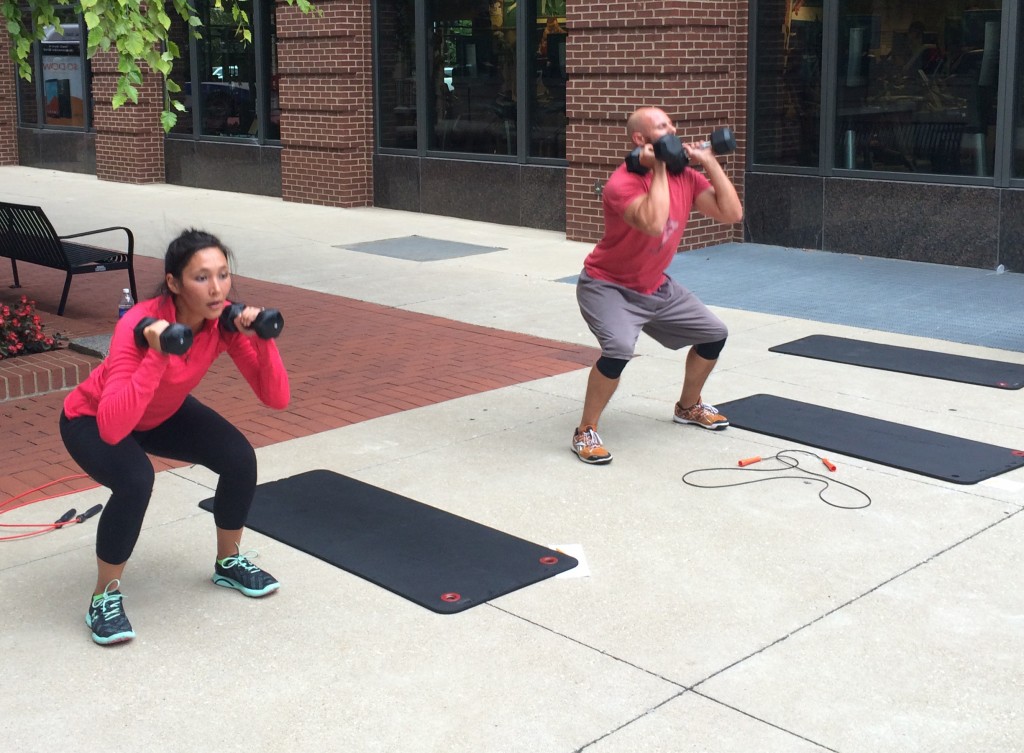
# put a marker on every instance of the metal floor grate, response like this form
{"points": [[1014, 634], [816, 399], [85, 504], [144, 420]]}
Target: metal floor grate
{"points": [[419, 248]]}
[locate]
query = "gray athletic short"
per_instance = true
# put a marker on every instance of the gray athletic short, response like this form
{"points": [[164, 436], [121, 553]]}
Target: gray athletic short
{"points": [[672, 315]]}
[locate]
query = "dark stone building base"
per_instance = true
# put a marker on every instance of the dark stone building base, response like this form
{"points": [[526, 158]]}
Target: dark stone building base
{"points": [[221, 166], [51, 149], [524, 195], [966, 226]]}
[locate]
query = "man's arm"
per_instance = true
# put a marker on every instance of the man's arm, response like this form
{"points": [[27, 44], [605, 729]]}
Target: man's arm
{"points": [[720, 202], [649, 213]]}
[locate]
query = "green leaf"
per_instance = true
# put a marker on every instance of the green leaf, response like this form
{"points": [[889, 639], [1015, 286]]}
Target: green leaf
{"points": [[91, 20], [167, 120], [134, 44]]}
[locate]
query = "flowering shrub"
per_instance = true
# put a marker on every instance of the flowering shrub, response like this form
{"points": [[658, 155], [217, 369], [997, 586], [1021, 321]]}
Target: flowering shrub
{"points": [[21, 331]]}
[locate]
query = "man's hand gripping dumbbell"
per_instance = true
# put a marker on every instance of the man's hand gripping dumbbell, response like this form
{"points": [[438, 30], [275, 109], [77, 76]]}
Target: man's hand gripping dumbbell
{"points": [[265, 323], [670, 150]]}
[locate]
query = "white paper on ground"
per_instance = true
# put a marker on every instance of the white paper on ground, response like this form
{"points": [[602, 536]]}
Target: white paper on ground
{"points": [[582, 570]]}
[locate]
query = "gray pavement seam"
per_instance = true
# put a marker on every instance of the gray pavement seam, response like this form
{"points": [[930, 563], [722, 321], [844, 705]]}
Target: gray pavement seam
{"points": [[855, 599]]}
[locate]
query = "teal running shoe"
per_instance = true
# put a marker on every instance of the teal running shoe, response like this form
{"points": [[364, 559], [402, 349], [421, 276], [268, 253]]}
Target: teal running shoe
{"points": [[106, 617], [239, 573]]}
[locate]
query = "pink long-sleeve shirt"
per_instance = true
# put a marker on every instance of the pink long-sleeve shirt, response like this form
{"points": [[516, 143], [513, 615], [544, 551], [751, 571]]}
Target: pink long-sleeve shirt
{"points": [[139, 388]]}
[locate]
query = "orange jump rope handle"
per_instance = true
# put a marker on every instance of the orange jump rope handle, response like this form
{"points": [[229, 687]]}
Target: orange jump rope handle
{"points": [[828, 464], [750, 461]]}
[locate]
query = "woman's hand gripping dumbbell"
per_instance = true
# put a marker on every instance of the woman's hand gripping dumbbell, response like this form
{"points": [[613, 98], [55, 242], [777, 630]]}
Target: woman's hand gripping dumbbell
{"points": [[163, 336], [265, 323]]}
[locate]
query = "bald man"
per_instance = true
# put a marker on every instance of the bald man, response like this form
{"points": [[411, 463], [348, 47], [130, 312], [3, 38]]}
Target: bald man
{"points": [[623, 289]]}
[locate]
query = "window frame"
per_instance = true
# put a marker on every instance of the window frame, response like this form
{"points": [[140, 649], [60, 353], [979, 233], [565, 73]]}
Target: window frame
{"points": [[262, 55], [1010, 50], [38, 81], [422, 52]]}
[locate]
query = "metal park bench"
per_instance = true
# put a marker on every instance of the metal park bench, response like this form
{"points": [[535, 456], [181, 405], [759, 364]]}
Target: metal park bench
{"points": [[26, 235]]}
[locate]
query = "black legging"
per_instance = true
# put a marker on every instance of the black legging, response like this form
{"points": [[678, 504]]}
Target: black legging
{"points": [[195, 434]]}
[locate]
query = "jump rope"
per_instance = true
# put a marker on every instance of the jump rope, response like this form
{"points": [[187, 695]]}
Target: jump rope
{"points": [[785, 457], [70, 518]]}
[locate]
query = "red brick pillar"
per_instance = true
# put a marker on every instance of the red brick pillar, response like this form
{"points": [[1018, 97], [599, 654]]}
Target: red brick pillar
{"points": [[326, 96], [688, 57], [8, 103], [129, 140]]}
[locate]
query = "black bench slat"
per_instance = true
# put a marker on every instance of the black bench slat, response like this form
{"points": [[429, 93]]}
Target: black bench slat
{"points": [[27, 235]]}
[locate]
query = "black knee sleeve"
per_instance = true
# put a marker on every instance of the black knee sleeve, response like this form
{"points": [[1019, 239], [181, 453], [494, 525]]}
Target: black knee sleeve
{"points": [[710, 351], [611, 367]]}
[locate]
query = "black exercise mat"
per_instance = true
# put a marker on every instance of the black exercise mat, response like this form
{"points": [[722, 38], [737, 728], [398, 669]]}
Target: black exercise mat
{"points": [[987, 373], [929, 453], [438, 560]]}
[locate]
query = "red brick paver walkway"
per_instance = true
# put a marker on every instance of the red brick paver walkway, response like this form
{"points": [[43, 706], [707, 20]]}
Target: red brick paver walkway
{"points": [[348, 361]]}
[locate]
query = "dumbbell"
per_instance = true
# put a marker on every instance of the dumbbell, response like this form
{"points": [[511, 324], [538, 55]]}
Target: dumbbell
{"points": [[267, 324], [175, 339], [669, 149]]}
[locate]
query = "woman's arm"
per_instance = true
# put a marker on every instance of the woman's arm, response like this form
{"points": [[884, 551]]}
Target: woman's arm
{"points": [[260, 363], [133, 376]]}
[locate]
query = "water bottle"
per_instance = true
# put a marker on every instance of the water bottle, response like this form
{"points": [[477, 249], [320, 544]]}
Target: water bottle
{"points": [[126, 302]]}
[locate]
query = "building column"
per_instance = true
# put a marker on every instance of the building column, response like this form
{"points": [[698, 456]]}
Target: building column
{"points": [[690, 60], [129, 140], [326, 97]]}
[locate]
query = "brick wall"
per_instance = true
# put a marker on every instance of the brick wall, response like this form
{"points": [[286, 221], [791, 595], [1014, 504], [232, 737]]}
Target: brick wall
{"points": [[326, 97], [129, 140], [688, 57], [8, 103]]}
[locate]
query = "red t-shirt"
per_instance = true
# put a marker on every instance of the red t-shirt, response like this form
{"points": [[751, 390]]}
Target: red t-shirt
{"points": [[139, 388], [628, 257]]}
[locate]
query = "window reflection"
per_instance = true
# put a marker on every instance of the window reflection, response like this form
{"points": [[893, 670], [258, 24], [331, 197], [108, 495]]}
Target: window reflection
{"points": [[472, 77], [222, 96], [787, 95], [1018, 117], [548, 77], [227, 75], [63, 72], [396, 46], [917, 85]]}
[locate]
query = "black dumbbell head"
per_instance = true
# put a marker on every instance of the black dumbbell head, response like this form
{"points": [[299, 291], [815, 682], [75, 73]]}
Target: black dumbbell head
{"points": [[140, 337], [669, 149], [228, 315], [267, 324], [633, 162], [723, 141], [176, 338]]}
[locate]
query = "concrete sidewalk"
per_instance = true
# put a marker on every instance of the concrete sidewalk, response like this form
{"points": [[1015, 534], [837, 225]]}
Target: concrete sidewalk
{"points": [[748, 618]]}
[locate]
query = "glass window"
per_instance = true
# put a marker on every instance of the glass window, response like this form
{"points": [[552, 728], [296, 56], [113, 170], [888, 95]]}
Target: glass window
{"points": [[227, 75], [181, 72], [787, 95], [396, 60], [222, 93], [59, 79], [1018, 116], [917, 84], [472, 77], [548, 79]]}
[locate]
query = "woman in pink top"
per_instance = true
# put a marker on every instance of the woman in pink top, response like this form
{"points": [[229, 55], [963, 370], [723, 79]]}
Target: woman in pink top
{"points": [[138, 401]]}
